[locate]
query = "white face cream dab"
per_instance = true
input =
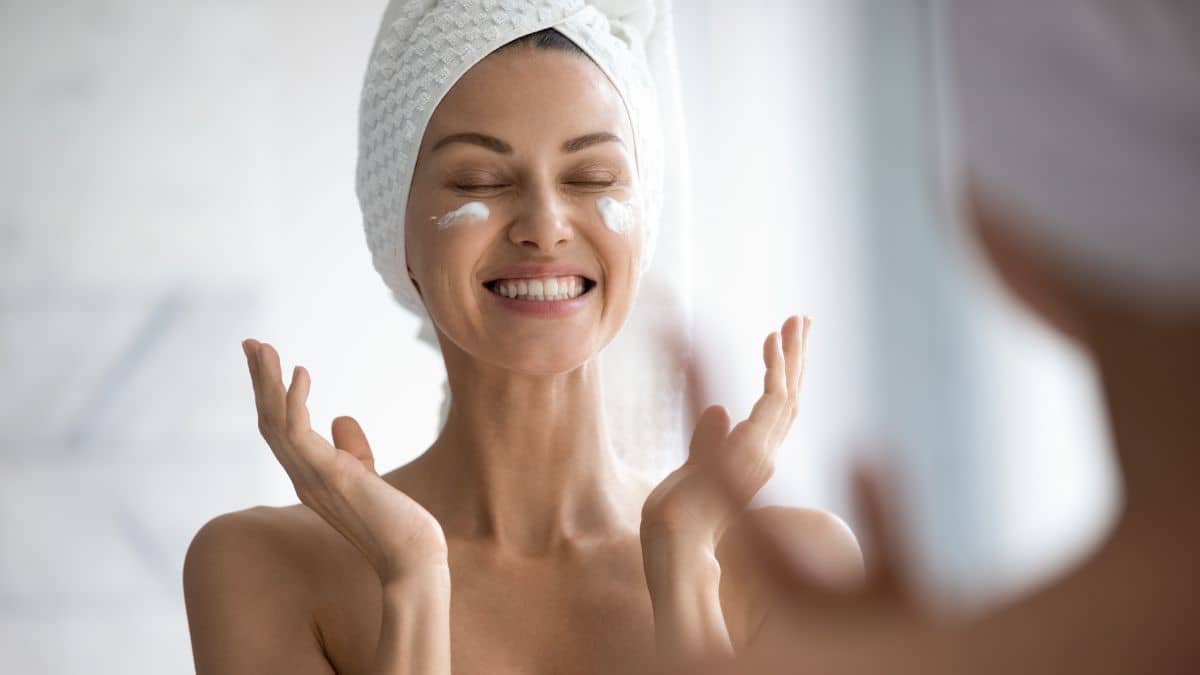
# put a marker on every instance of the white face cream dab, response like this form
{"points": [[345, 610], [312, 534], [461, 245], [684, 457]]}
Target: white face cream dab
{"points": [[617, 216], [469, 212]]}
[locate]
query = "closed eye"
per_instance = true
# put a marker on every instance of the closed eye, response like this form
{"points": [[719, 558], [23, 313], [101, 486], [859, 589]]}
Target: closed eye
{"points": [[481, 187]]}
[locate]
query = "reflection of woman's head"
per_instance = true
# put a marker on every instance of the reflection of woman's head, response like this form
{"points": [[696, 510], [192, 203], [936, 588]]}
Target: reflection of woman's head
{"points": [[1078, 123], [507, 238]]}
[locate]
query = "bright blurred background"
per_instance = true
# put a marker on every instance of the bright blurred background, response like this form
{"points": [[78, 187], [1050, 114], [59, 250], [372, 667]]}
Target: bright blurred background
{"points": [[177, 176]]}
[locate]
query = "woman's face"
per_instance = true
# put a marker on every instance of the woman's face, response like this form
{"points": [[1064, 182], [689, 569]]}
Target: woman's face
{"points": [[516, 170]]}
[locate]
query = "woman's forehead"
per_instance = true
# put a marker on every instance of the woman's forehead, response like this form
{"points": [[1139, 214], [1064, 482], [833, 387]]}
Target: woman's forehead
{"points": [[532, 93]]}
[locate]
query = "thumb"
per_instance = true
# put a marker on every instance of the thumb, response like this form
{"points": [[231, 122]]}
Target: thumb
{"points": [[711, 430], [349, 436]]}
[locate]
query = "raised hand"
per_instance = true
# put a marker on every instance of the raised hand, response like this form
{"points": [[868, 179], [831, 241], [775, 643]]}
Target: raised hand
{"points": [[338, 480], [726, 467]]}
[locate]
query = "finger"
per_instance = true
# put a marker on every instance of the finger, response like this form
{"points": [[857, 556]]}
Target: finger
{"points": [[790, 336], [250, 347], [271, 392], [349, 436], [711, 431], [803, 351], [792, 351], [882, 548], [775, 379], [757, 428], [774, 395], [297, 422]]}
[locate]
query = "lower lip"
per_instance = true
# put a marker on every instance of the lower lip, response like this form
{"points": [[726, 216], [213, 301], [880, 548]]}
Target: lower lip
{"points": [[542, 309]]}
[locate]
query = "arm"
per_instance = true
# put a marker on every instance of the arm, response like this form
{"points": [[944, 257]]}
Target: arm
{"points": [[414, 637], [684, 583]]}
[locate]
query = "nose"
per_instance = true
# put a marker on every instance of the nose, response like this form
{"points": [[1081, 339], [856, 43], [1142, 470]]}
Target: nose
{"points": [[542, 224]]}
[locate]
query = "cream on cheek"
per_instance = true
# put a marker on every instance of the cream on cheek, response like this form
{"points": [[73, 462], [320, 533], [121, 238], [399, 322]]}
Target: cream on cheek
{"points": [[471, 212], [618, 216]]}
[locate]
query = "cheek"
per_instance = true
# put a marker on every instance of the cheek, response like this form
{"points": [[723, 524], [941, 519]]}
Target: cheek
{"points": [[465, 215], [619, 244], [618, 216], [433, 226], [442, 255]]}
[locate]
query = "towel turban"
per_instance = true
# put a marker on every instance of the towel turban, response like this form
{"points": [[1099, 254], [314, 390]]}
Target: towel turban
{"points": [[1084, 116]]}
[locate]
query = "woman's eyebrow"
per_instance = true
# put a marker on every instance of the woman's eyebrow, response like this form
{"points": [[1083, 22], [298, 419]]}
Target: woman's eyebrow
{"points": [[483, 140], [500, 147], [588, 140]]}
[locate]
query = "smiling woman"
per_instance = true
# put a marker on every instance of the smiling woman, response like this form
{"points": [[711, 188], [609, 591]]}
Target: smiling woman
{"points": [[519, 217]]}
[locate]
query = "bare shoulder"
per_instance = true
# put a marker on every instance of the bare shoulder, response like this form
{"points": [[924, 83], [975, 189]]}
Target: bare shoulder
{"points": [[247, 581], [261, 537], [816, 543]]}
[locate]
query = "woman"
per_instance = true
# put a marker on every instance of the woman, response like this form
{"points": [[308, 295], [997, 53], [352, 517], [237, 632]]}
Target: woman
{"points": [[516, 543]]}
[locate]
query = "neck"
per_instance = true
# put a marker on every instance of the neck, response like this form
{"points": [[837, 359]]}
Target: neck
{"points": [[1151, 372], [524, 461]]}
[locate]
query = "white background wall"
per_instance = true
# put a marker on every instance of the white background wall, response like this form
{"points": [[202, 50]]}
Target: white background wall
{"points": [[178, 176]]}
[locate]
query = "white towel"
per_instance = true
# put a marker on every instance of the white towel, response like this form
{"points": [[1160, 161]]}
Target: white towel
{"points": [[1084, 116]]}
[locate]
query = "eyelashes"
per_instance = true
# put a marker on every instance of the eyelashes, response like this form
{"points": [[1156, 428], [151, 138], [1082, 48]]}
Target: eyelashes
{"points": [[488, 183], [479, 189], [495, 188]]}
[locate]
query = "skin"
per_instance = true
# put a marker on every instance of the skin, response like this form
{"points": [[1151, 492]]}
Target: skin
{"points": [[517, 543], [1130, 607]]}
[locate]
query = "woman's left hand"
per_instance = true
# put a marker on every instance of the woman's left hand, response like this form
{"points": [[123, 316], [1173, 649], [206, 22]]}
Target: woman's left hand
{"points": [[726, 467]]}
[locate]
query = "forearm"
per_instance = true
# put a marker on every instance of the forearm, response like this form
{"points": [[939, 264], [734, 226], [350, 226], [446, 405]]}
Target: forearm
{"points": [[684, 584], [414, 637]]}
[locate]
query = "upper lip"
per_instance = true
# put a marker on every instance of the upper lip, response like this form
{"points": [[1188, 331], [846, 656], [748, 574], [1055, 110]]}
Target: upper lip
{"points": [[537, 270]]}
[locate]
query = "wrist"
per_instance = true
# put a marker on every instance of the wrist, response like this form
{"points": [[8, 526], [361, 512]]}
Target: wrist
{"points": [[425, 580], [683, 577], [672, 539], [680, 564]]}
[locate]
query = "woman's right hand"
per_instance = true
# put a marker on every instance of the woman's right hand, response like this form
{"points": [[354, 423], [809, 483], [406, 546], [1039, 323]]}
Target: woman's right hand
{"points": [[396, 534]]}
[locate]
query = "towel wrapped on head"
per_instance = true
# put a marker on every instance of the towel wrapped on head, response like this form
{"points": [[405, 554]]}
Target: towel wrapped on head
{"points": [[1083, 117]]}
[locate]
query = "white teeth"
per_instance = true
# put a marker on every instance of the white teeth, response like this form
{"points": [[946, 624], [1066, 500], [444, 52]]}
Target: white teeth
{"points": [[549, 288]]}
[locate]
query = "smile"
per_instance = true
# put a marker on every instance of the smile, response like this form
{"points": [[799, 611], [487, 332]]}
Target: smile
{"points": [[542, 289]]}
